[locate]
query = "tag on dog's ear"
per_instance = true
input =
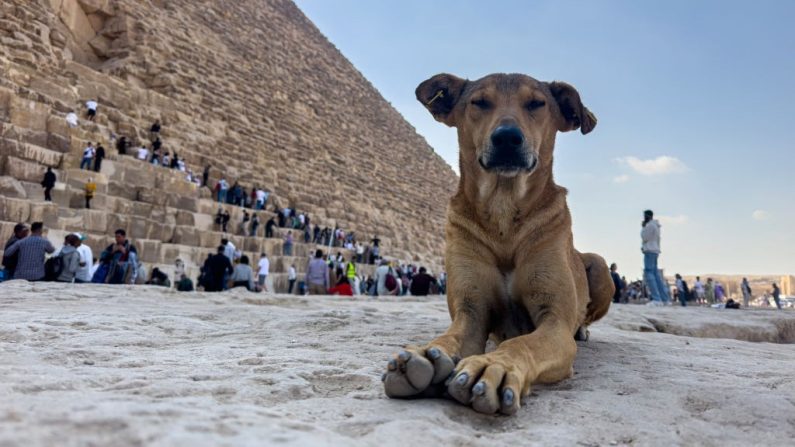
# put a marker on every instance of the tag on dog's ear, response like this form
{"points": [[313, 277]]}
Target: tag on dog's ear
{"points": [[440, 94]]}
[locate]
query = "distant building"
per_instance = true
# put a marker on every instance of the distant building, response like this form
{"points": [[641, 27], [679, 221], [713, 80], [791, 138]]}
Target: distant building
{"points": [[787, 285]]}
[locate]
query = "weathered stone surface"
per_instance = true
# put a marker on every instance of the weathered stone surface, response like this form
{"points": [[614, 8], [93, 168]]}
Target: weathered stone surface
{"points": [[10, 187]]}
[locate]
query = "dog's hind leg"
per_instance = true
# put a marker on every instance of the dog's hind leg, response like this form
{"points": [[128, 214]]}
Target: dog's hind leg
{"points": [[600, 287]]}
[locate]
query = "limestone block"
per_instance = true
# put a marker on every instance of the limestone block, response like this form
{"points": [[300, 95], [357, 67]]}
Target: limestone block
{"points": [[95, 221], [11, 187], [56, 90], [22, 169], [186, 236], [97, 7], [30, 152], [209, 240], [58, 143], [181, 202], [148, 250], [44, 212], [153, 196], [140, 228], [100, 45], [73, 16], [117, 222], [28, 114], [185, 218], [14, 210], [122, 190], [5, 103]]}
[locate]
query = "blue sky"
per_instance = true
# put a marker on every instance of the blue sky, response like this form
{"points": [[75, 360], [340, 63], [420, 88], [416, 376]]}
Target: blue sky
{"points": [[695, 102]]}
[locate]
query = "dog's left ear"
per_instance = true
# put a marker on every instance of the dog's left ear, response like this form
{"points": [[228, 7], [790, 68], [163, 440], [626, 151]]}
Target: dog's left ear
{"points": [[575, 115], [440, 94]]}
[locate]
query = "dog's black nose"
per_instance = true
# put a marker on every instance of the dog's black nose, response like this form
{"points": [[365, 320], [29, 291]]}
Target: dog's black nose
{"points": [[507, 138]]}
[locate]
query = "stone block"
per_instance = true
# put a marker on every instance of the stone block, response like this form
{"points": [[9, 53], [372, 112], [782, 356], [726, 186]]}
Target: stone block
{"points": [[11, 187], [14, 210], [186, 236], [28, 114], [44, 212]]}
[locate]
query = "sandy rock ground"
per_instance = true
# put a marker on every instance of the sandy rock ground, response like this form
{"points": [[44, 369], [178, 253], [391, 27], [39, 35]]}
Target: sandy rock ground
{"points": [[99, 365]]}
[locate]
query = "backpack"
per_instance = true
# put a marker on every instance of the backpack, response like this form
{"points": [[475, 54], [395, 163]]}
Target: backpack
{"points": [[53, 268], [390, 283]]}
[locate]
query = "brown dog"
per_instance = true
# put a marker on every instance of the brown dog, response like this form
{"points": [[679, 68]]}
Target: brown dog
{"points": [[513, 271]]}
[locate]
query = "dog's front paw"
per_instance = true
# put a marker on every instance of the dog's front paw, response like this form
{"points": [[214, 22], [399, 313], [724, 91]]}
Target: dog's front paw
{"points": [[417, 372], [489, 383]]}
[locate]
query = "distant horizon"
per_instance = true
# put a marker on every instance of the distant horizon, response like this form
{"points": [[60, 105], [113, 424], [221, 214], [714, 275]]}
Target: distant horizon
{"points": [[693, 111]]}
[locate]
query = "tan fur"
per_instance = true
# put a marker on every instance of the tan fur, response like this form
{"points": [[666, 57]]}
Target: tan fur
{"points": [[513, 272]]}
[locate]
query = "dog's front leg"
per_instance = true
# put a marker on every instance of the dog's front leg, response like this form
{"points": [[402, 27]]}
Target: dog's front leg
{"points": [[498, 380], [422, 370]]}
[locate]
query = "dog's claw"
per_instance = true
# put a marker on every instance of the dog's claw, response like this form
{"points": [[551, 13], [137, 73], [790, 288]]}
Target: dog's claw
{"points": [[462, 379], [479, 389], [507, 397], [383, 377], [434, 353], [404, 356], [392, 365]]}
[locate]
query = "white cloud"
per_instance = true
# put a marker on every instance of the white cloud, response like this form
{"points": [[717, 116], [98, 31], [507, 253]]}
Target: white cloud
{"points": [[621, 178], [760, 215], [663, 164], [674, 220]]}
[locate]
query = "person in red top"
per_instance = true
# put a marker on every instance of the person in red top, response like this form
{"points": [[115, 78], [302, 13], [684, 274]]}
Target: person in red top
{"points": [[343, 287]]}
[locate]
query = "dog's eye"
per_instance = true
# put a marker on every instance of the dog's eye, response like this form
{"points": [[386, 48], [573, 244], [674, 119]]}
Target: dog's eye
{"points": [[534, 104], [481, 103]]}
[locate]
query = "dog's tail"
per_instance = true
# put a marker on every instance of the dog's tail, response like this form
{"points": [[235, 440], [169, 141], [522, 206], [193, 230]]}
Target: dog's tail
{"points": [[600, 286]]}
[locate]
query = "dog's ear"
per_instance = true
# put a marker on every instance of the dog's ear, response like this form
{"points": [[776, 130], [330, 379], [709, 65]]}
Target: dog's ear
{"points": [[575, 115], [440, 94]]}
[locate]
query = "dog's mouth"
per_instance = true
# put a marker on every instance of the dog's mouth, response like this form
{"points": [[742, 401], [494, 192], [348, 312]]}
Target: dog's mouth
{"points": [[509, 167]]}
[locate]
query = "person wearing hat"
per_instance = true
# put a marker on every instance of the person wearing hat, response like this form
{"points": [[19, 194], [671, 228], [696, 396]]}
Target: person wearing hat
{"points": [[86, 258]]}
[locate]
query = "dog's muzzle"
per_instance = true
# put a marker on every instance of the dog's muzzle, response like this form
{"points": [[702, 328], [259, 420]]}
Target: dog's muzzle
{"points": [[508, 152]]}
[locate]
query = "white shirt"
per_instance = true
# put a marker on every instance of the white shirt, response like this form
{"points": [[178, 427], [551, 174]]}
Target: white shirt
{"points": [[86, 256], [650, 235], [88, 152], [699, 286], [291, 273], [143, 153], [91, 105], [181, 165], [359, 249], [264, 266], [224, 184], [71, 119], [301, 218], [229, 251], [260, 195]]}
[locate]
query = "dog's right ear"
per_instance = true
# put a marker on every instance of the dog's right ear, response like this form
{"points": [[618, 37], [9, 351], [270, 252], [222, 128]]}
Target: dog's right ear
{"points": [[440, 94]]}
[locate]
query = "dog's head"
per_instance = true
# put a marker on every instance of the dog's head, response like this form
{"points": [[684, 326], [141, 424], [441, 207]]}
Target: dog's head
{"points": [[506, 122]]}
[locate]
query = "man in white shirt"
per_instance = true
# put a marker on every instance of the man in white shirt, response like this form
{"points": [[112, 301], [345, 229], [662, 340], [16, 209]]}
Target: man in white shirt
{"points": [[88, 156], [260, 199], [143, 153], [229, 249], [71, 119], [91, 111], [86, 260], [698, 287], [291, 275], [262, 274]]}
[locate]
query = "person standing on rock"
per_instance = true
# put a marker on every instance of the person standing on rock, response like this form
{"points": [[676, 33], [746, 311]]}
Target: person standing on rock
{"points": [[32, 249], [154, 131], [650, 236], [263, 268], [682, 289], [254, 225], [288, 244], [88, 156], [48, 183], [91, 109], [746, 289], [698, 288], [143, 153], [776, 295], [206, 175], [720, 292], [225, 220], [90, 189], [709, 292], [100, 155], [121, 145], [317, 277], [617, 282], [269, 227], [291, 276], [222, 186], [243, 222]]}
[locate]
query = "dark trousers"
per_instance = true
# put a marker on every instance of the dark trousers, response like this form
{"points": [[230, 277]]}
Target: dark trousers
{"points": [[88, 202], [47, 195], [268, 232], [97, 164], [290, 287]]}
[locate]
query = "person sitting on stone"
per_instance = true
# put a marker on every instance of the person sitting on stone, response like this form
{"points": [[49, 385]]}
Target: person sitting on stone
{"points": [[185, 284], [69, 259], [243, 276], [343, 286], [21, 231], [143, 153], [158, 278], [71, 119]]}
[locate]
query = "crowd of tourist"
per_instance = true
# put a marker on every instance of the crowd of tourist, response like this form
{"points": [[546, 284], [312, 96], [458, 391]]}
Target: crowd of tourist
{"points": [[26, 253]]}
